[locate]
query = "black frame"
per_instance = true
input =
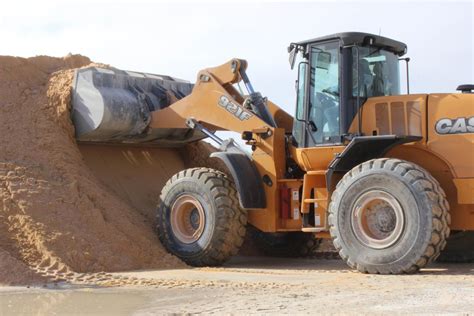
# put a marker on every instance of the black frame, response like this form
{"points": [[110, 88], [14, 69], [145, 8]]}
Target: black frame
{"points": [[348, 105]]}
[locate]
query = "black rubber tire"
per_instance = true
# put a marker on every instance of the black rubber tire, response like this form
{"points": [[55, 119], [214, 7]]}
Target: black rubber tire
{"points": [[459, 248], [225, 223], [424, 205], [284, 245]]}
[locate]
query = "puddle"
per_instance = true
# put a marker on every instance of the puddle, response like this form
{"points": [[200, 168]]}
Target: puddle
{"points": [[85, 301]]}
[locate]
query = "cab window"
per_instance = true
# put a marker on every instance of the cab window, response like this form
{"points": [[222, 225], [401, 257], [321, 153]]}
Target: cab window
{"points": [[378, 72]]}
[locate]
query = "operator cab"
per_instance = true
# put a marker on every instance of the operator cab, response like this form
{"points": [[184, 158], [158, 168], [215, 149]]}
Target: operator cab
{"points": [[336, 75]]}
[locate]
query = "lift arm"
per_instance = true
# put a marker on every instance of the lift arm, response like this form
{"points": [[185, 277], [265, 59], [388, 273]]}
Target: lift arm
{"points": [[215, 105], [219, 106]]}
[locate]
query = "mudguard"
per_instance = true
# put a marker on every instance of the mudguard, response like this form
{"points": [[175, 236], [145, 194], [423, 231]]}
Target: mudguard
{"points": [[246, 178], [361, 149]]}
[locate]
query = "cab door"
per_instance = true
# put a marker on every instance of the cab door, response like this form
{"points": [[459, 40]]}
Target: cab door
{"points": [[323, 101], [318, 107]]}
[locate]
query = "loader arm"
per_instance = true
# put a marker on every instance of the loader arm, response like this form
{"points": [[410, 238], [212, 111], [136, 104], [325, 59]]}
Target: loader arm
{"points": [[218, 106], [216, 103]]}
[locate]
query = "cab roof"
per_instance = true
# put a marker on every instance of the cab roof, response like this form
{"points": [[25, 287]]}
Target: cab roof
{"points": [[358, 38]]}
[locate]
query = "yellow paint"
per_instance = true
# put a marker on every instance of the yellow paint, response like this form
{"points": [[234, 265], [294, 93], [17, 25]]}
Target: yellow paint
{"points": [[449, 158]]}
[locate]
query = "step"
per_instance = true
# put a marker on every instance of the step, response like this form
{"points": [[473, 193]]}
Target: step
{"points": [[314, 200], [316, 173], [313, 229]]}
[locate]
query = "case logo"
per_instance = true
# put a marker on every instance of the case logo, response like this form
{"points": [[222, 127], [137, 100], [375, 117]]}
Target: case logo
{"points": [[455, 126], [233, 108]]}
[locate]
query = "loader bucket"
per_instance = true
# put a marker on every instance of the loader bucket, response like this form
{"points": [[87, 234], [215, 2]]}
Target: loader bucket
{"points": [[114, 106]]}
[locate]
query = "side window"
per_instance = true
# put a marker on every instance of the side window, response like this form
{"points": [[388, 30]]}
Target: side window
{"points": [[324, 93], [379, 72], [300, 97]]}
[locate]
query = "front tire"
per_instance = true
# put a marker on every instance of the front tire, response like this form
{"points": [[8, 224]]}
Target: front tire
{"points": [[388, 216], [199, 217]]}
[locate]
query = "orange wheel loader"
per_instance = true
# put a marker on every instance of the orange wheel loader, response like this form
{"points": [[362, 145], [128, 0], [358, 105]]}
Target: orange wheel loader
{"points": [[385, 175]]}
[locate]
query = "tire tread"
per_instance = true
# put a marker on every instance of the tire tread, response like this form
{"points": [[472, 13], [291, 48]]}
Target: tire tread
{"points": [[230, 219], [433, 192]]}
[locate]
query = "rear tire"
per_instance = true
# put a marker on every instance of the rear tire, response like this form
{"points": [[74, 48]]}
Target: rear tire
{"points": [[284, 245], [199, 217], [388, 216]]}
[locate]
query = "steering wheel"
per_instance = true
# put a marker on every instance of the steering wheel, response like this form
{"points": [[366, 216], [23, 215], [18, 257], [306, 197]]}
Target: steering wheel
{"points": [[334, 93]]}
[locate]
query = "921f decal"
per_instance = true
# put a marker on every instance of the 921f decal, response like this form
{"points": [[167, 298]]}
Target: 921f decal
{"points": [[234, 109]]}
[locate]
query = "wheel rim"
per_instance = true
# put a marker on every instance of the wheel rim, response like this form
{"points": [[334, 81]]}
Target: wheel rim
{"points": [[187, 219], [377, 219]]}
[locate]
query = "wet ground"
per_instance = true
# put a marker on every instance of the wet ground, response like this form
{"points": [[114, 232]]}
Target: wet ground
{"points": [[257, 285]]}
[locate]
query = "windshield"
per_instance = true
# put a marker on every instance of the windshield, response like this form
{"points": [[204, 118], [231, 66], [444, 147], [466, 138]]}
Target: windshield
{"points": [[379, 72]]}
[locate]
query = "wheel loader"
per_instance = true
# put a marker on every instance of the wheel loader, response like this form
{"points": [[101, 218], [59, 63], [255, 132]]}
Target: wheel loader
{"points": [[385, 175]]}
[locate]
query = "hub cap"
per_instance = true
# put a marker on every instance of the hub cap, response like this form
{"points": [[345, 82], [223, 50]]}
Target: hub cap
{"points": [[187, 219], [377, 219]]}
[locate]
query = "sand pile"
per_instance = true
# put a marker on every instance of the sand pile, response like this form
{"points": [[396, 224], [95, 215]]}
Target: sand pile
{"points": [[59, 208]]}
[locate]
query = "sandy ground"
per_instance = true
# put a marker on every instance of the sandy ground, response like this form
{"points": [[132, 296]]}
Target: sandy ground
{"points": [[67, 209], [256, 285]]}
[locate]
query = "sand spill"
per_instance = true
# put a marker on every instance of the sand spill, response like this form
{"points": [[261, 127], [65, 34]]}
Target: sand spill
{"points": [[66, 209]]}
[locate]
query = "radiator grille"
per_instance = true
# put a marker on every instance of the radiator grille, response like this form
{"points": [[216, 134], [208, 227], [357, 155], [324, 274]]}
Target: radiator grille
{"points": [[398, 118]]}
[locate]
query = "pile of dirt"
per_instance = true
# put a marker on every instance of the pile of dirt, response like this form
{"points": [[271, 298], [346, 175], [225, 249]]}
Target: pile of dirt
{"points": [[59, 210], [15, 272]]}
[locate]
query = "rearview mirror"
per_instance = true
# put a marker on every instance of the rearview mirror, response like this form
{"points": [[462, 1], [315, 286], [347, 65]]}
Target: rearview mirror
{"points": [[292, 58]]}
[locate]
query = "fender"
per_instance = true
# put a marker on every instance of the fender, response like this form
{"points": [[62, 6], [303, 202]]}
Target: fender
{"points": [[246, 178], [361, 149]]}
